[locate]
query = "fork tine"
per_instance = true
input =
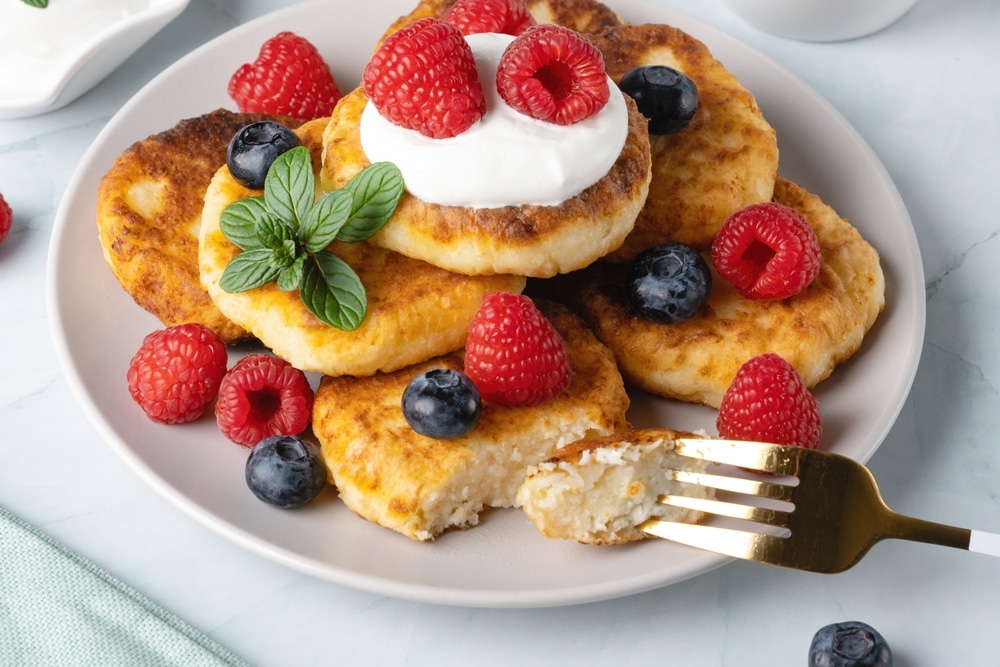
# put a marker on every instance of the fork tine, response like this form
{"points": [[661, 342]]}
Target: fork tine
{"points": [[764, 515], [780, 459], [750, 487], [726, 541]]}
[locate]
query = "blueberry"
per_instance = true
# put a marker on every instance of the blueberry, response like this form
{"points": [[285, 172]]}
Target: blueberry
{"points": [[849, 644], [286, 471], [668, 98], [442, 403], [668, 283], [254, 148]]}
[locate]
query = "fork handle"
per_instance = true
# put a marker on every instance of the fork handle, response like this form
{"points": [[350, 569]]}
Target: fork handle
{"points": [[984, 543]]}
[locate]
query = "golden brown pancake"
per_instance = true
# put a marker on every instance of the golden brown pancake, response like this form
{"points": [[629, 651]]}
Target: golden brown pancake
{"points": [[149, 212], [584, 16], [598, 490], [726, 158], [415, 310], [422, 487], [529, 240], [696, 360]]}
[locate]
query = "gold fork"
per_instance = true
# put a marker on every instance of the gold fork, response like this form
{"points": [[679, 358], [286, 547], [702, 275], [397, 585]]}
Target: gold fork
{"points": [[824, 520]]}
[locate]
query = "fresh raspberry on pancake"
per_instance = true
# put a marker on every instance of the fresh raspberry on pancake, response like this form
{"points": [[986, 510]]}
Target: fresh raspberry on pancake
{"points": [[472, 17], [176, 372], [768, 402], [553, 74], [513, 354], [288, 78], [767, 251], [424, 77], [263, 395]]}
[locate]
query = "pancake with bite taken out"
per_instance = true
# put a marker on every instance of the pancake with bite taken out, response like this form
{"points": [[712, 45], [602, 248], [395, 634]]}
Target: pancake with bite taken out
{"points": [[149, 215], [415, 310], [422, 487], [696, 360]]}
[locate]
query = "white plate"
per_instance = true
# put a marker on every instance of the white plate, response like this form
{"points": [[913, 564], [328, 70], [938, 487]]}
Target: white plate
{"points": [[503, 562], [93, 59]]}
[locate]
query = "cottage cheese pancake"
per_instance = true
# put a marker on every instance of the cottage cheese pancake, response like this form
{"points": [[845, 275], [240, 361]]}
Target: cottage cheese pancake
{"points": [[530, 217], [422, 487], [696, 360], [584, 16], [726, 158], [598, 490], [415, 310], [149, 214]]}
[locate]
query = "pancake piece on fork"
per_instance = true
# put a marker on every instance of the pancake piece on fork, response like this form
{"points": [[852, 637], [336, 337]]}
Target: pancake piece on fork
{"points": [[599, 490], [696, 360]]}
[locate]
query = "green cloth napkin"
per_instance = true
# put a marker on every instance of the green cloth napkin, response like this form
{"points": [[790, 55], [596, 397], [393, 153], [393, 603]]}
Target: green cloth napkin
{"points": [[57, 608]]}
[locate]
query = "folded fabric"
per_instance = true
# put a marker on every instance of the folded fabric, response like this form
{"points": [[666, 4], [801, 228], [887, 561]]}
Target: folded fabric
{"points": [[58, 608]]}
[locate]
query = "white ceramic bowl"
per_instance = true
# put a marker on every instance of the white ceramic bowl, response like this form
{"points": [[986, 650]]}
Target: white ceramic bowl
{"points": [[820, 20], [93, 59]]}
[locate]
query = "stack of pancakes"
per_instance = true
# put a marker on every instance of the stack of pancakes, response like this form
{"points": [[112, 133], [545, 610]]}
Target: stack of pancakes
{"points": [[426, 272]]}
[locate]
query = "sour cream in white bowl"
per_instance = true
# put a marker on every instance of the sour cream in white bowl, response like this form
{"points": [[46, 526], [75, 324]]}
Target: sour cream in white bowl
{"points": [[820, 20], [51, 55]]}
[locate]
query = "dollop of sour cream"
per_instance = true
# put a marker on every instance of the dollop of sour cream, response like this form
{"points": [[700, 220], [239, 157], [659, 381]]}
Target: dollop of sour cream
{"points": [[38, 46], [507, 158]]}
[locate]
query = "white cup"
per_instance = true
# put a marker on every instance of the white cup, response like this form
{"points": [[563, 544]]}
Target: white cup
{"points": [[820, 20]]}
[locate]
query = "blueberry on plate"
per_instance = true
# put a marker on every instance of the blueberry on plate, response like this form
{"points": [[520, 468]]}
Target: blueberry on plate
{"points": [[849, 644], [442, 403], [286, 471], [668, 283], [254, 149], [668, 98]]}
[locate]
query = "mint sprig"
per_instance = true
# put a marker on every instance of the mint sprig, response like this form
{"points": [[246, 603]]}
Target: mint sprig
{"points": [[42, 4], [284, 235]]}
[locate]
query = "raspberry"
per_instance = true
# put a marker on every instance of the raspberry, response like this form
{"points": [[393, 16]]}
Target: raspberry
{"points": [[767, 251], [767, 401], [510, 17], [289, 78], [424, 77], [6, 218], [176, 372], [261, 396], [553, 74], [513, 354]]}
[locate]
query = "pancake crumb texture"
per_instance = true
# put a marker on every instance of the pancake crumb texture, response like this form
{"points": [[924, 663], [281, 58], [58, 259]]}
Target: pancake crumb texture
{"points": [[599, 490]]}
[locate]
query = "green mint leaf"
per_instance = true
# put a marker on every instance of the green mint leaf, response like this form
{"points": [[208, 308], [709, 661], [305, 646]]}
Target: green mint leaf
{"points": [[325, 220], [290, 186], [249, 270], [285, 256], [274, 234], [239, 222], [376, 189], [42, 4], [332, 291], [291, 276]]}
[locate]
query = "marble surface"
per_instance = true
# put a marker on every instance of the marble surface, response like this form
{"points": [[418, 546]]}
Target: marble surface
{"points": [[918, 92]]}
